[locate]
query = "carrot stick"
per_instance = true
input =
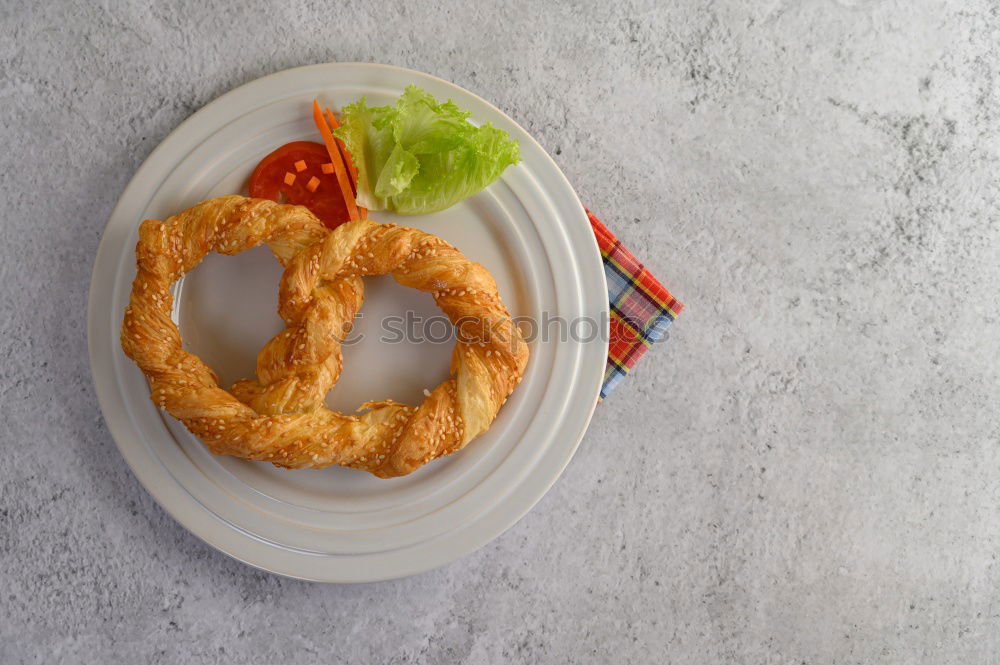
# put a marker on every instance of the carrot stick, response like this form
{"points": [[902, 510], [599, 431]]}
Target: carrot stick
{"points": [[332, 120], [348, 160], [343, 179]]}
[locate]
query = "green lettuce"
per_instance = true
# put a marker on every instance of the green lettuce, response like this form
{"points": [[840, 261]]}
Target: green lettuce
{"points": [[421, 156]]}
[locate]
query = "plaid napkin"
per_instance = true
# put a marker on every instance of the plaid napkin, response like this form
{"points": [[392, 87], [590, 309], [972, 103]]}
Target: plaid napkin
{"points": [[641, 308]]}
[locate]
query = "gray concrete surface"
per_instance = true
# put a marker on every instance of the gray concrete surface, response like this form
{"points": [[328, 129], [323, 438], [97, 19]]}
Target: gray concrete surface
{"points": [[807, 472]]}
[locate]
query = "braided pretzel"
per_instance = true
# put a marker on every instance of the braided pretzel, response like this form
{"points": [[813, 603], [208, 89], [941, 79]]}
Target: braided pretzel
{"points": [[280, 417]]}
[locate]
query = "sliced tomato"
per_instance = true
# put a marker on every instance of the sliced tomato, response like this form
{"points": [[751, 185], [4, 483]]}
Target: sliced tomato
{"points": [[268, 181]]}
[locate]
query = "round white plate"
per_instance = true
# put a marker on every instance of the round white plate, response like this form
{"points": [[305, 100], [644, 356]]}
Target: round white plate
{"points": [[341, 525]]}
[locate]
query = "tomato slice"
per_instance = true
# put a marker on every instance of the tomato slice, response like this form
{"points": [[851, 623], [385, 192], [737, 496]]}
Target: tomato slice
{"points": [[268, 181]]}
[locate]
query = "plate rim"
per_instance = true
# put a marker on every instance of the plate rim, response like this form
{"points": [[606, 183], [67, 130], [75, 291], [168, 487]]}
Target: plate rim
{"points": [[168, 497]]}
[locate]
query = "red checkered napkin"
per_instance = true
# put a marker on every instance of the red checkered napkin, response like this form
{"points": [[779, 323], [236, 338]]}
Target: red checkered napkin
{"points": [[641, 308]]}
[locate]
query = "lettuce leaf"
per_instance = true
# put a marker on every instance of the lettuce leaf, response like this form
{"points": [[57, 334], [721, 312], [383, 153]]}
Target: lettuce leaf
{"points": [[421, 156]]}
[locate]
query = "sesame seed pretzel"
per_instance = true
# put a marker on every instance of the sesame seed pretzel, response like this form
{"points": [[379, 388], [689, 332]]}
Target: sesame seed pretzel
{"points": [[279, 417]]}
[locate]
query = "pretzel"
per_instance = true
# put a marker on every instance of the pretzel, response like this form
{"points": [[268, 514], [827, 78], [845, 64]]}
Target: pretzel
{"points": [[279, 417]]}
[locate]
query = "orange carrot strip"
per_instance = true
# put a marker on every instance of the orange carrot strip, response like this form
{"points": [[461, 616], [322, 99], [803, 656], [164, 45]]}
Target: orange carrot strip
{"points": [[348, 160], [326, 168], [289, 177], [343, 179], [313, 184], [300, 165]]}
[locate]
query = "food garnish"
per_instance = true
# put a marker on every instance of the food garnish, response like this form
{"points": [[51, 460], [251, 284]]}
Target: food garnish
{"points": [[419, 155], [339, 168], [277, 178]]}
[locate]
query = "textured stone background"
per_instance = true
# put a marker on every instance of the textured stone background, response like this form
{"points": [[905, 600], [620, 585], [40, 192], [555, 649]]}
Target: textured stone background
{"points": [[807, 472]]}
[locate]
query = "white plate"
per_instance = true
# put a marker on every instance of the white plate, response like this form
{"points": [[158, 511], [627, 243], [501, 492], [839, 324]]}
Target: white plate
{"points": [[340, 525]]}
